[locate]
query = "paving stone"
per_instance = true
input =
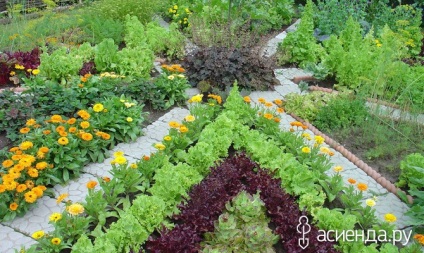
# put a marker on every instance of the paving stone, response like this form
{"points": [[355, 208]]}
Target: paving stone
{"points": [[11, 240], [281, 36], [77, 188], [291, 73], [271, 47], [192, 91]]}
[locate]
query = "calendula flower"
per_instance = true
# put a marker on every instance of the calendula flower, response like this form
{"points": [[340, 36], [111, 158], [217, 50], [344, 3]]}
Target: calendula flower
{"points": [[41, 165], [21, 188], [35, 72], [189, 118], [56, 241], [26, 145], [216, 97], [13, 206], [7, 163], [280, 110], [370, 202], [268, 116], [306, 136], [338, 168], [362, 186], [85, 124], [118, 153], [91, 184], [120, 160], [75, 209], [61, 197], [133, 166], [46, 132], [268, 104], [278, 102], [56, 119], [247, 99], [183, 129], [37, 191], [306, 150], [160, 146], [30, 197], [419, 238], [351, 181], [319, 139], [277, 120], [87, 136], [98, 107], [31, 122], [167, 138], [171, 77], [146, 158], [262, 100], [106, 179], [55, 217], [129, 119], [174, 124], [389, 217], [196, 99], [38, 234], [63, 141]]}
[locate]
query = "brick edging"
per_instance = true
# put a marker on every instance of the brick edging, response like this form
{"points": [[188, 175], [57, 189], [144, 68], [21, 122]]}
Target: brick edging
{"points": [[355, 160]]}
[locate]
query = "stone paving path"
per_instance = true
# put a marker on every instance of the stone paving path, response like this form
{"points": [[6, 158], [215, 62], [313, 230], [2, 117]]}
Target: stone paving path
{"points": [[17, 233]]}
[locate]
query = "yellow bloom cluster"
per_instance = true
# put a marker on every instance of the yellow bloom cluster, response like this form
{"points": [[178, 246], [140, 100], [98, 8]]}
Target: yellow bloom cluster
{"points": [[196, 99], [216, 97], [119, 158]]}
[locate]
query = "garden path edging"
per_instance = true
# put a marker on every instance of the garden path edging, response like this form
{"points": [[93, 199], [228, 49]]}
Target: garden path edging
{"points": [[355, 160]]}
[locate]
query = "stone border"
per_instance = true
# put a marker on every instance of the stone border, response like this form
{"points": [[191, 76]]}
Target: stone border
{"points": [[355, 160]]}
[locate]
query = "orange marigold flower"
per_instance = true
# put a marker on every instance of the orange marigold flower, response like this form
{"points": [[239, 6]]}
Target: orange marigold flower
{"points": [[268, 116], [29, 184], [87, 136], [351, 181], [106, 179], [105, 136], [13, 206], [296, 123], [44, 149], [419, 238], [362, 186], [85, 124], [41, 165], [91, 184], [247, 99], [63, 134], [277, 120], [183, 129], [56, 119], [278, 102], [146, 158], [262, 100], [32, 172], [31, 122], [37, 191], [30, 197], [174, 124], [7, 163], [280, 110], [46, 132], [72, 130], [268, 104], [21, 188], [71, 121], [61, 197], [24, 130]]}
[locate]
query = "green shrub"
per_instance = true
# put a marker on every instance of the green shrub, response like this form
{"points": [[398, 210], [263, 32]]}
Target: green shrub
{"points": [[341, 112], [412, 172], [106, 56], [172, 46], [98, 28]]}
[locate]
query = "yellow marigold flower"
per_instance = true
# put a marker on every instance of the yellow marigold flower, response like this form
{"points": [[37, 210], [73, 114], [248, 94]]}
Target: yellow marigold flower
{"points": [[37, 191], [247, 99], [306, 150], [277, 120], [216, 97], [2, 188], [174, 124], [71, 121], [61, 197], [63, 141], [56, 119], [72, 130], [83, 79], [196, 99], [268, 116], [120, 160], [129, 119], [85, 124], [10, 185], [324, 150], [18, 66], [83, 114], [105, 136], [29, 70], [362, 186], [319, 139], [268, 104], [21, 188], [167, 138], [56, 241], [296, 123], [118, 153], [306, 136], [106, 179], [46, 132], [41, 165], [44, 149], [60, 129], [75, 209], [29, 184], [133, 166], [32, 172], [7, 163], [30, 197], [98, 107], [26, 145], [183, 129], [91, 184], [338, 168], [278, 102], [160, 146], [31, 122], [262, 100], [171, 77], [389, 217], [12, 73], [370, 202], [38, 234], [419, 238], [13, 206], [189, 118], [35, 72], [87, 136]]}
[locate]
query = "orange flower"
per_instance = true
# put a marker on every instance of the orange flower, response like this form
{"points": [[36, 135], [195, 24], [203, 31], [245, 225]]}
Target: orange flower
{"points": [[280, 110], [13, 206], [61, 197], [277, 120], [24, 130], [105, 136], [87, 136], [146, 158], [85, 124], [351, 181], [296, 123], [21, 188], [106, 179], [7, 163], [268, 116], [362, 186], [41, 165], [63, 134], [37, 191], [419, 238], [83, 79], [44, 149], [72, 130], [71, 121], [247, 99], [29, 184], [60, 129], [56, 119], [262, 100], [91, 184], [278, 102], [46, 132], [268, 104]]}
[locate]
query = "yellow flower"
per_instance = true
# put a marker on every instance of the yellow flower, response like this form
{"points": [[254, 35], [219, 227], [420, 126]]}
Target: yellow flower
{"points": [[160, 146], [176, 7], [268, 104], [419, 238], [389, 217], [306, 150], [306, 136], [30, 197], [247, 99], [38, 234], [171, 77], [91, 184], [21, 188], [61, 197], [338, 168], [278, 102], [26, 145], [120, 160], [268, 116], [189, 118], [319, 139], [129, 119], [98, 107], [56, 119], [35, 72], [41, 165], [7, 163], [18, 66], [370, 202], [183, 129], [174, 124], [167, 138], [75, 209], [133, 166], [30, 122], [196, 99], [56, 241], [85, 124], [12, 73], [55, 217], [262, 100], [63, 141], [118, 153], [87, 136]]}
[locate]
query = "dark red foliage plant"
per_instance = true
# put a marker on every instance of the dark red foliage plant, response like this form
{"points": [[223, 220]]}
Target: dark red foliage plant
{"points": [[207, 201], [30, 60]]}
